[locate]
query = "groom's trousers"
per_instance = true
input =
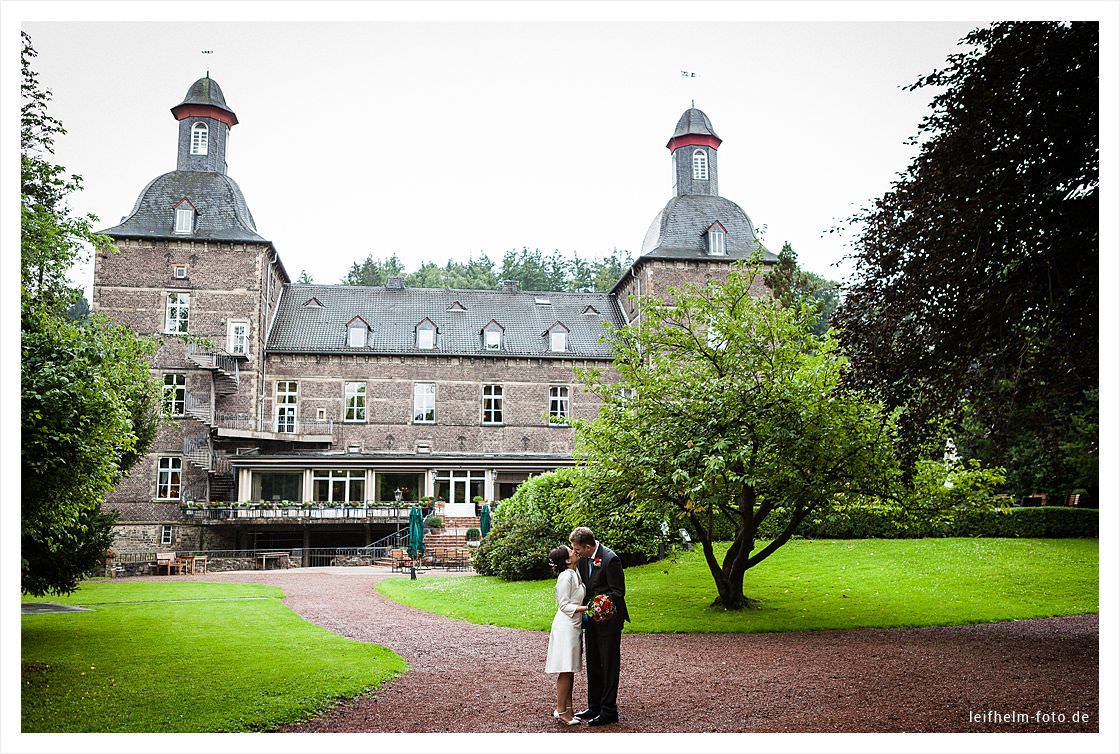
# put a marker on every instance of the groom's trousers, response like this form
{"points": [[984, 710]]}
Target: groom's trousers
{"points": [[604, 658]]}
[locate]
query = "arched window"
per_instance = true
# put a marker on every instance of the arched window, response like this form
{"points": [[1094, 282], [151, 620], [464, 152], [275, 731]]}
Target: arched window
{"points": [[200, 137], [700, 165]]}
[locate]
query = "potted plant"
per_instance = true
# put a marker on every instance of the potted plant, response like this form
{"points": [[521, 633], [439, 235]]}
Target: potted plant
{"points": [[473, 536], [435, 522]]}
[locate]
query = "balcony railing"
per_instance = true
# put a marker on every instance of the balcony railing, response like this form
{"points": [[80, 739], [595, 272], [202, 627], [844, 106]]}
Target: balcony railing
{"points": [[240, 511]]}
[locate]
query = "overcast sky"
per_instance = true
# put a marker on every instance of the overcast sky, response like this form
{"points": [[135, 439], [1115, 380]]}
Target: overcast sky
{"points": [[440, 141]]}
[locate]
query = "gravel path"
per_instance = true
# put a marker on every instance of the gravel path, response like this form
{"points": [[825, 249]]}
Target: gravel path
{"points": [[470, 678]]}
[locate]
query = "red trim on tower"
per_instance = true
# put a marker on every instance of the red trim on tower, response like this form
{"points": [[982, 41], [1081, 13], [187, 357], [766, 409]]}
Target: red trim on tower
{"points": [[204, 111], [693, 140]]}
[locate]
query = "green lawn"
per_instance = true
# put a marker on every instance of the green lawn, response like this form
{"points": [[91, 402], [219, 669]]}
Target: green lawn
{"points": [[179, 657], [809, 585]]}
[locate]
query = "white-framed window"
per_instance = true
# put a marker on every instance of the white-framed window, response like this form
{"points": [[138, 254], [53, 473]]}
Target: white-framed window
{"points": [[424, 403], [237, 337], [493, 404], [338, 485], [200, 138], [174, 394], [355, 402], [356, 335], [426, 335], [559, 404], [184, 219], [700, 165], [169, 478], [558, 340], [165, 534], [492, 337], [287, 401], [178, 313], [717, 242], [180, 272]]}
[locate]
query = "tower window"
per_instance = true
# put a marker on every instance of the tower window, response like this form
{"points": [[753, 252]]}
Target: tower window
{"points": [[717, 242], [493, 404], [184, 219], [699, 165], [200, 138], [178, 313]]}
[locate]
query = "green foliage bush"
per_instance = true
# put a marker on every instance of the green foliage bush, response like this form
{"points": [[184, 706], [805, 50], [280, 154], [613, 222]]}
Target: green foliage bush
{"points": [[435, 522], [473, 534], [543, 512]]}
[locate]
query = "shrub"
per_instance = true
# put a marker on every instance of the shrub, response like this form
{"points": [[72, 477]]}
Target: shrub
{"points": [[435, 522], [473, 534], [543, 512]]}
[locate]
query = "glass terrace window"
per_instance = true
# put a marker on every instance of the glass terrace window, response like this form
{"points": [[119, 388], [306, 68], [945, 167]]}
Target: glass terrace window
{"points": [[169, 478], [178, 313], [558, 404], [424, 403], [339, 486], [174, 394], [200, 137], [699, 165], [287, 400], [355, 401], [492, 404]]}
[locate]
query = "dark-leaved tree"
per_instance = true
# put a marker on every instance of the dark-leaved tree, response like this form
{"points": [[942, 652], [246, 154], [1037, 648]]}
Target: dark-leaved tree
{"points": [[975, 293]]}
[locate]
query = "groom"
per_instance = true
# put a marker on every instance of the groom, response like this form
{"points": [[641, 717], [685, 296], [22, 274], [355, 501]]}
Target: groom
{"points": [[601, 571]]}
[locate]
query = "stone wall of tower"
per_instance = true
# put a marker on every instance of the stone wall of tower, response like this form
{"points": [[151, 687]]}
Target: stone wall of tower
{"points": [[224, 281], [654, 277]]}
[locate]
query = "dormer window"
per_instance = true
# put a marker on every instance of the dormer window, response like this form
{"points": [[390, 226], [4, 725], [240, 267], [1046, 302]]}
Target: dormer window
{"points": [[700, 165], [492, 336], [200, 137], [426, 335], [356, 331], [717, 239], [184, 219], [313, 303], [557, 337], [456, 306]]}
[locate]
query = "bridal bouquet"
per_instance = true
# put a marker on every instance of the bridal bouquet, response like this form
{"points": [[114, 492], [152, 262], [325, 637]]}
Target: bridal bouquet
{"points": [[601, 608]]}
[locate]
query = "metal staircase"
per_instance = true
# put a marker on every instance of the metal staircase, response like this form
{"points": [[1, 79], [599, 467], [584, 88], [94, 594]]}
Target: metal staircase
{"points": [[227, 373]]}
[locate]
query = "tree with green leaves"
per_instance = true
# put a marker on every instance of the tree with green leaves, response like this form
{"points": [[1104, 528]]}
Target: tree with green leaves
{"points": [[975, 292], [794, 286], [727, 405], [89, 406], [371, 271]]}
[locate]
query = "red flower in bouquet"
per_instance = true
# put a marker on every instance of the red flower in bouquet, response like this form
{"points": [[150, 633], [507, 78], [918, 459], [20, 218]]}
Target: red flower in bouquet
{"points": [[601, 608]]}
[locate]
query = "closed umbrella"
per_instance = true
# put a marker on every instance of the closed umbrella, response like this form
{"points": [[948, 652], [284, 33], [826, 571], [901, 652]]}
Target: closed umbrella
{"points": [[415, 533], [484, 520]]}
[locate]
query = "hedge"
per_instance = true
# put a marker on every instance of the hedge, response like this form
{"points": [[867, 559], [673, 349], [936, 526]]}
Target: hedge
{"points": [[884, 521]]}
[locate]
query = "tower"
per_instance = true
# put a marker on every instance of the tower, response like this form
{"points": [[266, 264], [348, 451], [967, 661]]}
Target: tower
{"points": [[693, 146], [698, 234], [204, 124]]}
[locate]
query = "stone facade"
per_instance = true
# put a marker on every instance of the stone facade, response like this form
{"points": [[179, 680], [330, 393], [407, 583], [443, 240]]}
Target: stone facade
{"points": [[227, 443]]}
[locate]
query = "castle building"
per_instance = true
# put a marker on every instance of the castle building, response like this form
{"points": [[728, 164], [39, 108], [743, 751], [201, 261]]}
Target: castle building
{"points": [[283, 392]]}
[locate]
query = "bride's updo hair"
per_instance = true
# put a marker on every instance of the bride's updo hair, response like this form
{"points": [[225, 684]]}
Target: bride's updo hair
{"points": [[558, 559]]}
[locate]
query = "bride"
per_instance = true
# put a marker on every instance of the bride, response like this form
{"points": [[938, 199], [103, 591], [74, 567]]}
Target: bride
{"points": [[564, 643]]}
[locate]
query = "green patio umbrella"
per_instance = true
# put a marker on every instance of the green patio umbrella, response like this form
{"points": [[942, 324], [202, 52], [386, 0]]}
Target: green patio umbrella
{"points": [[415, 533], [484, 520]]}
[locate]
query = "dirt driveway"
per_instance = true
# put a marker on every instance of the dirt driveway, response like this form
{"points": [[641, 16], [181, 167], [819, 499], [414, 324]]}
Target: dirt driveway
{"points": [[468, 678]]}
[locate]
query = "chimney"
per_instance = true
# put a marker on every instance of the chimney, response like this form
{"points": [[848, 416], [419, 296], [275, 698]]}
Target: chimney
{"points": [[511, 286], [394, 284]]}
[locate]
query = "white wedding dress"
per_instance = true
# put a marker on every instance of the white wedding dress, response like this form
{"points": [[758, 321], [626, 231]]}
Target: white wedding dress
{"points": [[564, 641]]}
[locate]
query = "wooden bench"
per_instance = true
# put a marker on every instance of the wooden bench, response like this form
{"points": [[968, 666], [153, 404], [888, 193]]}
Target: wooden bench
{"points": [[281, 559], [168, 560], [399, 560]]}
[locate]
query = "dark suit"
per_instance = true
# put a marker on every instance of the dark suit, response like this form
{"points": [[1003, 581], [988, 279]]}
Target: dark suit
{"points": [[604, 639]]}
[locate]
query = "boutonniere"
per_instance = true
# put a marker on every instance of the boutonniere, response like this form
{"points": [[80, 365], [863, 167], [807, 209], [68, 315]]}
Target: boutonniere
{"points": [[597, 562]]}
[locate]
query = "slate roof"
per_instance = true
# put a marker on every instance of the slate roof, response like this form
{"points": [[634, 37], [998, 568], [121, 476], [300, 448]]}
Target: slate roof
{"points": [[206, 92], [677, 232], [394, 314], [694, 121], [223, 214]]}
